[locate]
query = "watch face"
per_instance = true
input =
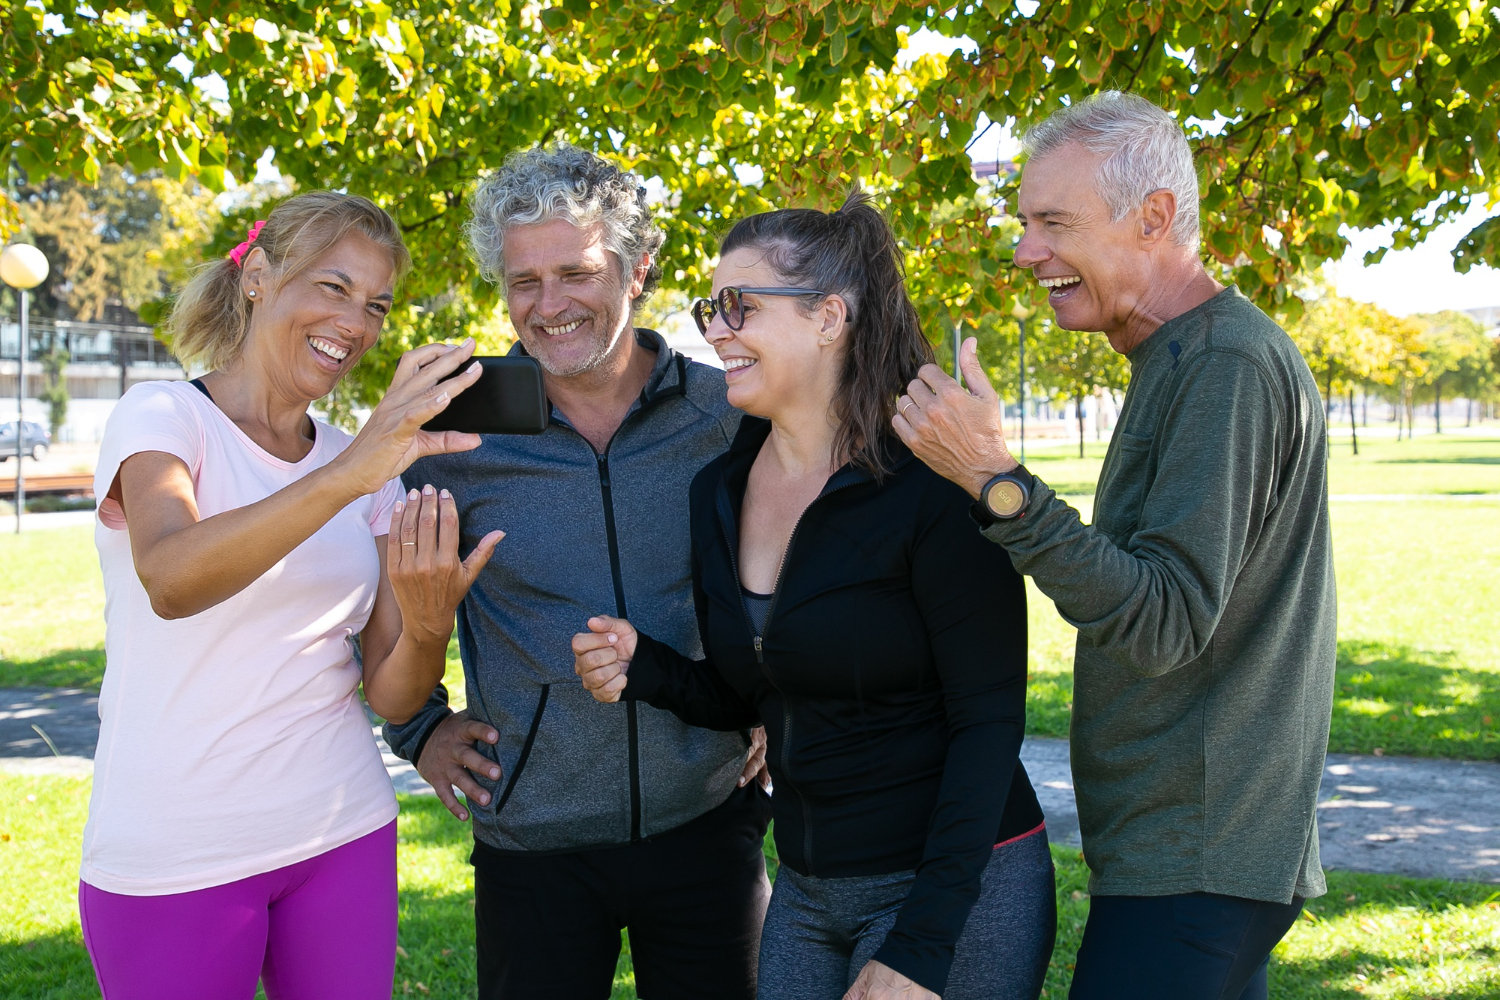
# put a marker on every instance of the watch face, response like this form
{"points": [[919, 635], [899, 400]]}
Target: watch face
{"points": [[1005, 499]]}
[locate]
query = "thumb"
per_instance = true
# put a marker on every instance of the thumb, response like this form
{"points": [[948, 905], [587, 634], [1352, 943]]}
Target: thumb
{"points": [[974, 374], [604, 623], [446, 442], [480, 557]]}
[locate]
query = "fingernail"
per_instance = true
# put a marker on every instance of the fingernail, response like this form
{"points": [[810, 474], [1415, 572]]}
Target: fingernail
{"points": [[443, 398], [475, 367], [413, 495], [494, 772], [445, 494], [484, 799], [613, 637], [463, 816], [400, 506], [427, 490], [742, 782]]}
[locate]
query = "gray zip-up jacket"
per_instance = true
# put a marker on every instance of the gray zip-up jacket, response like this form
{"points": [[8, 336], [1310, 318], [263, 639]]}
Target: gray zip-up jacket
{"points": [[586, 534]]}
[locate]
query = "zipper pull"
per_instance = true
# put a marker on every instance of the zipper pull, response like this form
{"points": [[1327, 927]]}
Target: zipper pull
{"points": [[758, 657]]}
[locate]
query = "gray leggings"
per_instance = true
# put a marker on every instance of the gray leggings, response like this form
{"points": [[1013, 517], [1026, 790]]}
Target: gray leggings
{"points": [[820, 932]]}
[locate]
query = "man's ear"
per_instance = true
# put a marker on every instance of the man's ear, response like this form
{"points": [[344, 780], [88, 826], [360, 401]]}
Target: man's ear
{"points": [[1157, 212], [638, 276]]}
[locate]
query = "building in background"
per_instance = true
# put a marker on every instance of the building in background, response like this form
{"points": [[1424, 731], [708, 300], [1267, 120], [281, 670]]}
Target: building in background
{"points": [[105, 359]]}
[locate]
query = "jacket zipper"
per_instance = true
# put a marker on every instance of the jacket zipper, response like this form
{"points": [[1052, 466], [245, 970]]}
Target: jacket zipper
{"points": [[757, 641], [631, 722], [612, 538]]}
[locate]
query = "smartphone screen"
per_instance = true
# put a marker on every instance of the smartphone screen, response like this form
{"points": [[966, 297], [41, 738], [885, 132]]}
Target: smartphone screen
{"points": [[507, 399]]}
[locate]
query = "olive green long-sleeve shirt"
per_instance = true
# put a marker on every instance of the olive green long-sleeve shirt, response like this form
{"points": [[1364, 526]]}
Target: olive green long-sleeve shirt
{"points": [[1203, 594]]}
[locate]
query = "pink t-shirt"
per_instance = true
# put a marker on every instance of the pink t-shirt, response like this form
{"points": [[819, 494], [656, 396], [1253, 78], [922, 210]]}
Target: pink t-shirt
{"points": [[232, 742]]}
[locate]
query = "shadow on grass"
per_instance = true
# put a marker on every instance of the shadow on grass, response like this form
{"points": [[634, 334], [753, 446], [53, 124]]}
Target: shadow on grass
{"points": [[80, 668], [1413, 702], [1402, 700], [49, 967], [1452, 460]]}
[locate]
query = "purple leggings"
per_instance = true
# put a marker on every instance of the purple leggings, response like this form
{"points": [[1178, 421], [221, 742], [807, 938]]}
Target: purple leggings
{"points": [[321, 929]]}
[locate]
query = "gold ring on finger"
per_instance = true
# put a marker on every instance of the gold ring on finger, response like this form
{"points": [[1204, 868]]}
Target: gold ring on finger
{"points": [[909, 404]]}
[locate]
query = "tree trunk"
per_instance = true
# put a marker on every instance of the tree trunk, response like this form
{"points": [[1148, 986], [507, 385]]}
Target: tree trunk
{"points": [[1353, 424], [1469, 415], [1437, 404], [1364, 400]]}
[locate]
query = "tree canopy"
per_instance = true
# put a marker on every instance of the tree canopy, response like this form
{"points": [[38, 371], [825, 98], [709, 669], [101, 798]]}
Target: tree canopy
{"points": [[1306, 116]]}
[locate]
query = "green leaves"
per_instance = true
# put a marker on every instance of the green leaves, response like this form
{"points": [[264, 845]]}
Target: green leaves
{"points": [[1325, 115]]}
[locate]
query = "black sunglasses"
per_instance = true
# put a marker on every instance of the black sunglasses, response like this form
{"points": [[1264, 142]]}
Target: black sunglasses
{"points": [[730, 303]]}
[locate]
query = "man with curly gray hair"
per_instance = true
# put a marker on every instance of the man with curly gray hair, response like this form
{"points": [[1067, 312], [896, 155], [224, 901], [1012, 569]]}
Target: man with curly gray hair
{"points": [[590, 818]]}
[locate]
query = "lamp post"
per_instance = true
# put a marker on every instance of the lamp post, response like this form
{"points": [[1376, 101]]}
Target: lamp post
{"points": [[22, 267], [1022, 312]]}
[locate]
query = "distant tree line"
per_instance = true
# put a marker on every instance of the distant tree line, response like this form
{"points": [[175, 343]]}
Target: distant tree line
{"points": [[1404, 361]]}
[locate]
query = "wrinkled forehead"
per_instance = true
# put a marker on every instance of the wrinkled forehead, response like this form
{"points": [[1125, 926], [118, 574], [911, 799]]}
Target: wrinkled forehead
{"points": [[356, 260], [554, 244], [1063, 179]]}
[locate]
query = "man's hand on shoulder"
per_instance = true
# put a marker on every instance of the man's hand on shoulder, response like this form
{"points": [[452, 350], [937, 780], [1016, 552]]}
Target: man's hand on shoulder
{"points": [[449, 759], [955, 431]]}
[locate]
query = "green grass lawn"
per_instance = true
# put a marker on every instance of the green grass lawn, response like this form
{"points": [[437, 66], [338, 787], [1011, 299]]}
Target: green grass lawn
{"points": [[1448, 463], [1371, 936], [51, 609], [1419, 582], [1419, 585]]}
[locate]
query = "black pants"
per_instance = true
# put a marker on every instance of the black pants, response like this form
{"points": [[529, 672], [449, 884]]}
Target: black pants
{"points": [[693, 898], [1192, 946]]}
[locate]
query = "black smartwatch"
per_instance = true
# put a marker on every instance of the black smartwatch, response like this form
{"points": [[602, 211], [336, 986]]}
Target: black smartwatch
{"points": [[1004, 497]]}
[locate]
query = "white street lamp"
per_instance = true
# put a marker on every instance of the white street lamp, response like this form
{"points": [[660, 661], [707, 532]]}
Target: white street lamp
{"points": [[22, 267]]}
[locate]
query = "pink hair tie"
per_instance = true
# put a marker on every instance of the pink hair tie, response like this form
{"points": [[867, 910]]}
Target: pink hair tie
{"points": [[238, 253]]}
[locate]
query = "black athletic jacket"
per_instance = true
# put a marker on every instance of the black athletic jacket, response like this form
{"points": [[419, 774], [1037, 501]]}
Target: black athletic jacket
{"points": [[890, 677]]}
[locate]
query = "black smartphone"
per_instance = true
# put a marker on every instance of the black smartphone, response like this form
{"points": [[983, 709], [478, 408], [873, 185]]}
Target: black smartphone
{"points": [[507, 399]]}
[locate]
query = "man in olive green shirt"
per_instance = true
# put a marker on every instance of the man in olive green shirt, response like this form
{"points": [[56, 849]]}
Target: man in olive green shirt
{"points": [[1203, 591]]}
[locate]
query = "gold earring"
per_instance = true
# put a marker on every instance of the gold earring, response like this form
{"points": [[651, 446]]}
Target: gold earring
{"points": [[828, 339]]}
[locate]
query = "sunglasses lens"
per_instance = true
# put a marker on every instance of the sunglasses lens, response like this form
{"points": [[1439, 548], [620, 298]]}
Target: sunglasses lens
{"points": [[733, 307], [703, 314]]}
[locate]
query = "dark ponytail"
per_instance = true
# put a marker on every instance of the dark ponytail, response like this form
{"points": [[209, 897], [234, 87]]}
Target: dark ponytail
{"points": [[851, 253]]}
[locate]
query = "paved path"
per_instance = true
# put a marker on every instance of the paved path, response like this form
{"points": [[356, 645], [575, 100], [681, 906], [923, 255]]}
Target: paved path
{"points": [[1399, 815]]}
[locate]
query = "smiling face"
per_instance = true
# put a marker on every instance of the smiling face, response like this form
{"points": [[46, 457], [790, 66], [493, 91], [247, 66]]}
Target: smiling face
{"points": [[566, 298], [780, 359], [1095, 270], [311, 329]]}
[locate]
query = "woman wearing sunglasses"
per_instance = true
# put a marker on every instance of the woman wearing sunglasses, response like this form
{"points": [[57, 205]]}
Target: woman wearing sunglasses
{"points": [[848, 603]]}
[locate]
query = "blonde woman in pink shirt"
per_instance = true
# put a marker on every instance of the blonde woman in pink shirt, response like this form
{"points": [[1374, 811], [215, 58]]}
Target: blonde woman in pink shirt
{"points": [[242, 826]]}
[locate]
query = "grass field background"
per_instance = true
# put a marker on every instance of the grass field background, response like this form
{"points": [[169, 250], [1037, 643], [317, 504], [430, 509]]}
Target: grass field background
{"points": [[1372, 936], [1419, 589], [1419, 673]]}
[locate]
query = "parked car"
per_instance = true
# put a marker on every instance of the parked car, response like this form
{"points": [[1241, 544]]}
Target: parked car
{"points": [[35, 440]]}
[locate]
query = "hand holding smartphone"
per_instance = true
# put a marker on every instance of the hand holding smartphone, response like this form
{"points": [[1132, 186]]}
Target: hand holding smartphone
{"points": [[508, 398]]}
